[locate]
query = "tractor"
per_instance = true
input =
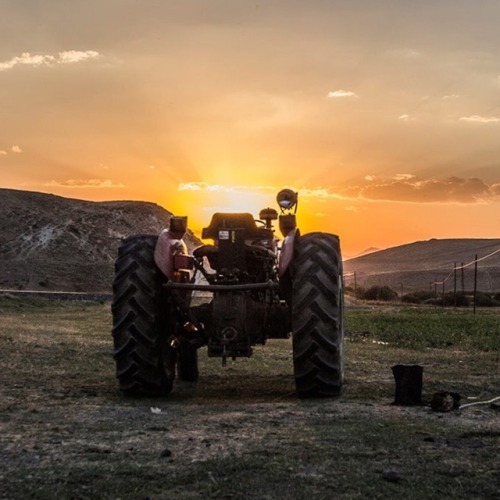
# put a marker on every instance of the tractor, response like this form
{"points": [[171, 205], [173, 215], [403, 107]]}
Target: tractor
{"points": [[252, 287]]}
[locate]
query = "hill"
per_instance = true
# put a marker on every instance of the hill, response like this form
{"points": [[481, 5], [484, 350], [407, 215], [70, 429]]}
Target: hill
{"points": [[364, 252], [417, 265], [48, 242]]}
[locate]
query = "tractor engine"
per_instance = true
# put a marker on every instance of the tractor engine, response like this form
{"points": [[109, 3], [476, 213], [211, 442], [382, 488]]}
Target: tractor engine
{"points": [[242, 254]]}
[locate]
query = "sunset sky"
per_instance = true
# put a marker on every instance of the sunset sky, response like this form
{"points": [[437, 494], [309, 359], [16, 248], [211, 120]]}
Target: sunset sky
{"points": [[383, 115]]}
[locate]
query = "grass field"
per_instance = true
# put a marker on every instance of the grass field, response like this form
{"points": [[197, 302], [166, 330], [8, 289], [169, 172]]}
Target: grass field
{"points": [[240, 431], [427, 327]]}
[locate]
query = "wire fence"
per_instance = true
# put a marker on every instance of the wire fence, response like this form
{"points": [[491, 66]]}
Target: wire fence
{"points": [[463, 266], [438, 287]]}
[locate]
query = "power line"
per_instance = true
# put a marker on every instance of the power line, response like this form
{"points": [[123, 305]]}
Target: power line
{"points": [[463, 266]]}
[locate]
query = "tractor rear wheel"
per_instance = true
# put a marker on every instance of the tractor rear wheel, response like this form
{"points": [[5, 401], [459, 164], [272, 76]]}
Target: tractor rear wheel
{"points": [[143, 321], [317, 316], [187, 361]]}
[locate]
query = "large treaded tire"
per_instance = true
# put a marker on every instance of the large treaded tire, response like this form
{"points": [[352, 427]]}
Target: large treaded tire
{"points": [[142, 320], [317, 316]]}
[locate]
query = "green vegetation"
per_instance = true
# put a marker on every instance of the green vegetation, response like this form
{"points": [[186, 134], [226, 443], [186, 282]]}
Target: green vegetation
{"points": [[450, 299], [422, 327], [383, 293]]}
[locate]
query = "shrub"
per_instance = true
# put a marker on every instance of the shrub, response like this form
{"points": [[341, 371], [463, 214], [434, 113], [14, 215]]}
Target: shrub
{"points": [[459, 300], [417, 297], [486, 300], [383, 293]]}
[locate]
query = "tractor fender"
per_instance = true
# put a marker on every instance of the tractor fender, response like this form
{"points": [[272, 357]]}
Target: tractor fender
{"points": [[171, 253], [287, 250]]}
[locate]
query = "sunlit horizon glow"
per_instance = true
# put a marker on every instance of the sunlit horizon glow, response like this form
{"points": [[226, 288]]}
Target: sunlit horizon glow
{"points": [[383, 116]]}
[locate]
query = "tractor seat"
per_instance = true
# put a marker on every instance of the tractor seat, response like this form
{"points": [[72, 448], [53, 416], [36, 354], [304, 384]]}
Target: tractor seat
{"points": [[244, 221]]}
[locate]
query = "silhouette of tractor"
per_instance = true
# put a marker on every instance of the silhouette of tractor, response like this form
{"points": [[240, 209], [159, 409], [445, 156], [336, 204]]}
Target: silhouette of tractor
{"points": [[255, 286]]}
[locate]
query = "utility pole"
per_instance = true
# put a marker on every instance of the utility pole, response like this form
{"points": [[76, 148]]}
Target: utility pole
{"points": [[475, 283], [443, 290], [463, 278], [455, 285]]}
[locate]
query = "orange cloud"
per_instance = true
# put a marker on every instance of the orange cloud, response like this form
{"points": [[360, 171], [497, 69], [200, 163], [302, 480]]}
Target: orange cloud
{"points": [[205, 186], [87, 183], [407, 188], [400, 188]]}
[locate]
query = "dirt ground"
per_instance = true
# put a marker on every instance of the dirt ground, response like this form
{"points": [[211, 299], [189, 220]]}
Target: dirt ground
{"points": [[240, 431]]}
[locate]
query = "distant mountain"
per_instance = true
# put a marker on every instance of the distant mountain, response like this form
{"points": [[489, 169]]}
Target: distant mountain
{"points": [[48, 242], [417, 265], [364, 252]]}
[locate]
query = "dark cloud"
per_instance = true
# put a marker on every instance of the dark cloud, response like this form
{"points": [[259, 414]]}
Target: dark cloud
{"points": [[418, 190]]}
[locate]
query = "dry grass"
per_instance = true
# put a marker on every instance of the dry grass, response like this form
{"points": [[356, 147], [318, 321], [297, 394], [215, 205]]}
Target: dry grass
{"points": [[240, 432]]}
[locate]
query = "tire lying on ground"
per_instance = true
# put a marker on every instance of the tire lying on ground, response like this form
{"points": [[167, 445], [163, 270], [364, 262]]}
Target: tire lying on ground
{"points": [[143, 321], [317, 316]]}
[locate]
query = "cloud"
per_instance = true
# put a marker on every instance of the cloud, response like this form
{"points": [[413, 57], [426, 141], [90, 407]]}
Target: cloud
{"points": [[451, 96], [3, 152], [320, 194], [27, 59], [404, 117], [403, 177], [409, 188], [341, 93], [480, 119], [16, 149], [85, 184], [74, 56], [36, 60], [201, 186], [404, 188], [205, 186]]}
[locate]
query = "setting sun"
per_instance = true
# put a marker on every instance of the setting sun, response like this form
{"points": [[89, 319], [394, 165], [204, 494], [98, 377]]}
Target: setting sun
{"points": [[383, 117]]}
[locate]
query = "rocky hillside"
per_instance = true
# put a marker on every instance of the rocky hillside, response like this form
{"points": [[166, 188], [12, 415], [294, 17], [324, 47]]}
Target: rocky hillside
{"points": [[49, 242], [417, 265]]}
